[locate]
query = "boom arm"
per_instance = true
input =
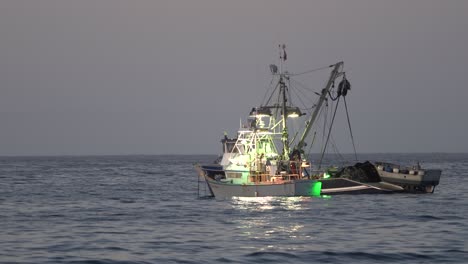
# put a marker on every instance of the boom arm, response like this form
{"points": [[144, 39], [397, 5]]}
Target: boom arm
{"points": [[334, 74]]}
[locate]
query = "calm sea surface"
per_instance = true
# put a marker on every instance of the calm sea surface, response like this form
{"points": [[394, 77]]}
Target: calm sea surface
{"points": [[144, 209]]}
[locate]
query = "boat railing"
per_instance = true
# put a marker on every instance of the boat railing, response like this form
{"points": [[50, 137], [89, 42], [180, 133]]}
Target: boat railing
{"points": [[267, 178], [290, 177], [258, 178]]}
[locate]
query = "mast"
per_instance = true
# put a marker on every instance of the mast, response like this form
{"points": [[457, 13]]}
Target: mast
{"points": [[334, 74], [285, 135]]}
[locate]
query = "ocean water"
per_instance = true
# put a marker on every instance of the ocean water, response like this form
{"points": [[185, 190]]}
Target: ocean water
{"points": [[145, 209]]}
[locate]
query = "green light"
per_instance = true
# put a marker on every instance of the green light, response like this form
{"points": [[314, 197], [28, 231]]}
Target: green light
{"points": [[316, 189], [326, 175]]}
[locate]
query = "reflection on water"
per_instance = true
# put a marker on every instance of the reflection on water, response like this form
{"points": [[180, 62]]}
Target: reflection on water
{"points": [[272, 203], [144, 209], [268, 228], [268, 203]]}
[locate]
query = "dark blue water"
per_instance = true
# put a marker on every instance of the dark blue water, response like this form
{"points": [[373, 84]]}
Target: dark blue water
{"points": [[144, 209]]}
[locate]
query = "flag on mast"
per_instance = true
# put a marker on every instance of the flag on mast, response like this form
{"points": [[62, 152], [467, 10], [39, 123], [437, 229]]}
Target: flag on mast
{"points": [[285, 56]]}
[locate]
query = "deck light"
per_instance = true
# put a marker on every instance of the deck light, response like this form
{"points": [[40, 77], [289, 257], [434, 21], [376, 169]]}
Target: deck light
{"points": [[294, 112], [260, 112]]}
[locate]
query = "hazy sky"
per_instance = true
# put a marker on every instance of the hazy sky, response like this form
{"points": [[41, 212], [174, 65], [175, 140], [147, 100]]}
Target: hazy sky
{"points": [[168, 77]]}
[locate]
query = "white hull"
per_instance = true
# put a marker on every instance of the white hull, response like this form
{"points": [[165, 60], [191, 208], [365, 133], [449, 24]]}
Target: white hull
{"points": [[413, 182], [226, 190]]}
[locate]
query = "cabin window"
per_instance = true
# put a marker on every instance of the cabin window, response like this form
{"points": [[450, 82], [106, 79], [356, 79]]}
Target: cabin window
{"points": [[236, 175]]}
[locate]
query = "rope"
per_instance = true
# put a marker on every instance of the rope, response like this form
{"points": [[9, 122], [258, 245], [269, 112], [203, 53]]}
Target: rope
{"points": [[313, 70], [305, 94], [335, 148], [327, 108], [271, 95], [350, 130], [329, 132], [311, 144]]}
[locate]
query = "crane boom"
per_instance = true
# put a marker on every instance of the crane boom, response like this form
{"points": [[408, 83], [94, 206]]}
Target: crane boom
{"points": [[323, 96]]}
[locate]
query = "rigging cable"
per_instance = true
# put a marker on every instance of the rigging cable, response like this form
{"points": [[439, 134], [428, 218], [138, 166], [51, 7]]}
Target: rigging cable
{"points": [[288, 89], [350, 130], [311, 144], [298, 96], [343, 89], [329, 132], [336, 150], [313, 70], [273, 92], [325, 122], [304, 91], [268, 88]]}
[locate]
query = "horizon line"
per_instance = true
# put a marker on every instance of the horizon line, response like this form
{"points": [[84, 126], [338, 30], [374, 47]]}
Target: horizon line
{"points": [[205, 154]]}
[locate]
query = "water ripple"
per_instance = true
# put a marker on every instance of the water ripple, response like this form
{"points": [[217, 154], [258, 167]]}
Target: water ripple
{"points": [[144, 209]]}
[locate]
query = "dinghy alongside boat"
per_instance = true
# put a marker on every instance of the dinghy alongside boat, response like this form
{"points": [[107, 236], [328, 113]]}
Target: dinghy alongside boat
{"points": [[412, 179]]}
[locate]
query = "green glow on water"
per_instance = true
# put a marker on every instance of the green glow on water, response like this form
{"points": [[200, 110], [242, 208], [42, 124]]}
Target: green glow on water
{"points": [[316, 189]]}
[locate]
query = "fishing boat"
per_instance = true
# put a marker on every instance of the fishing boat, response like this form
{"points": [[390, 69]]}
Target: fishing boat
{"points": [[268, 157], [412, 179]]}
